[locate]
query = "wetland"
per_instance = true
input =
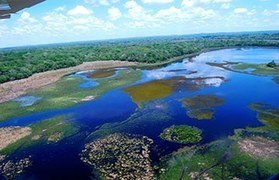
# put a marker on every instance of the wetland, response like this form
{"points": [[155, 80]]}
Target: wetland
{"points": [[212, 116]]}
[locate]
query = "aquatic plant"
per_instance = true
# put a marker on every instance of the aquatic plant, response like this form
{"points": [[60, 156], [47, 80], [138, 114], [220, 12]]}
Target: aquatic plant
{"points": [[11, 169], [201, 106], [146, 119], [120, 156], [182, 134]]}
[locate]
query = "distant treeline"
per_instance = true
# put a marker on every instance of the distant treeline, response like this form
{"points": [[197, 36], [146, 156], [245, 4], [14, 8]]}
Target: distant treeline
{"points": [[20, 63]]}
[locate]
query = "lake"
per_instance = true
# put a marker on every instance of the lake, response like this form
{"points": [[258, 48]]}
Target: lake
{"points": [[149, 105]]}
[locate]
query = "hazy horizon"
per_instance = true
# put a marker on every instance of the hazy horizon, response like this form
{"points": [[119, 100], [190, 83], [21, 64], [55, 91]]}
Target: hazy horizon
{"points": [[64, 21]]}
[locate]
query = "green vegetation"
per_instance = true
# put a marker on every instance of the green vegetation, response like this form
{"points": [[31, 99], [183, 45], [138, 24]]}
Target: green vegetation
{"points": [[102, 74], [47, 131], [261, 69], [268, 115], [201, 106], [182, 134], [218, 160], [66, 93], [143, 93], [20, 63]]}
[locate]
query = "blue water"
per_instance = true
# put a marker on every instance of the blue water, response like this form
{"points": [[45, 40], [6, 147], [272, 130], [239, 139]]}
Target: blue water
{"points": [[61, 160], [27, 100]]}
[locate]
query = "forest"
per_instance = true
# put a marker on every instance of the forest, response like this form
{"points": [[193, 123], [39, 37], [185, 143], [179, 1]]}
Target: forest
{"points": [[21, 62]]}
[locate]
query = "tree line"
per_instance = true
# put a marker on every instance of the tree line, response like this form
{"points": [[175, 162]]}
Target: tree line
{"points": [[18, 63]]}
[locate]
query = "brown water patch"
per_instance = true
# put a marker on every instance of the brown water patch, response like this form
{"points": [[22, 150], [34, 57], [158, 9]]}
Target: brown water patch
{"points": [[200, 106], [200, 114], [202, 101], [102, 74]]}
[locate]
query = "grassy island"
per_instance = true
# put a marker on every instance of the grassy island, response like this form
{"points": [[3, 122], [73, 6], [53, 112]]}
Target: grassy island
{"points": [[182, 134]]}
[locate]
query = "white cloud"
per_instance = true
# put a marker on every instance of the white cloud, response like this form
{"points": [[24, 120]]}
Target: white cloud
{"points": [[240, 10], [188, 3], [191, 3], [140, 17], [25, 16], [114, 13], [244, 11], [157, 1], [101, 2], [79, 11], [225, 5], [61, 8]]}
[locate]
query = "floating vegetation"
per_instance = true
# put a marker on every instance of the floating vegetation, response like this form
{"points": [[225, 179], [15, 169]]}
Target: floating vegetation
{"points": [[65, 93], [143, 93], [11, 169], [276, 80], [182, 134], [120, 156], [144, 120], [267, 114], [201, 106], [102, 73], [49, 131]]}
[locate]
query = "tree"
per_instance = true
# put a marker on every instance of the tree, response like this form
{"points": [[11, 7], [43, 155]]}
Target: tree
{"points": [[271, 64]]}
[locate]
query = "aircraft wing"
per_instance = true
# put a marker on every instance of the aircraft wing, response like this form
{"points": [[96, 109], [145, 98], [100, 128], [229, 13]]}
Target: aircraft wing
{"points": [[8, 7]]}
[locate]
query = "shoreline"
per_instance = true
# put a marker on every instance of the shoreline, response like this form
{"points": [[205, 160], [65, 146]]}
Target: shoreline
{"points": [[192, 55], [13, 89]]}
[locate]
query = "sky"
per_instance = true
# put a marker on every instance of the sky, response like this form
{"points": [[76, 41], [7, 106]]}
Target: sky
{"points": [[56, 21]]}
